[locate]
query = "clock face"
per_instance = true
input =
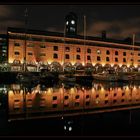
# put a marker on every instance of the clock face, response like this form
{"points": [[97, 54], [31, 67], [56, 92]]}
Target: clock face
{"points": [[72, 22], [67, 23]]}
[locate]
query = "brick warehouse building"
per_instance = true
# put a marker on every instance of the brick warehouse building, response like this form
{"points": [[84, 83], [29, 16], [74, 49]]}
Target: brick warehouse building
{"points": [[48, 47]]}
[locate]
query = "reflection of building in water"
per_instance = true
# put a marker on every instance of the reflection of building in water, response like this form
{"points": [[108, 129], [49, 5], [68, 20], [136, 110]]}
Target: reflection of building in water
{"points": [[53, 100]]}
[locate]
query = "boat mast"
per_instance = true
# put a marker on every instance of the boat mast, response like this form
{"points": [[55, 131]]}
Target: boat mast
{"points": [[133, 49], [84, 39], [25, 15], [64, 46]]}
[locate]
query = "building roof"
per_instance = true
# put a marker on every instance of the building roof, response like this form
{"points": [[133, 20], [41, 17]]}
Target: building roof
{"points": [[127, 41]]}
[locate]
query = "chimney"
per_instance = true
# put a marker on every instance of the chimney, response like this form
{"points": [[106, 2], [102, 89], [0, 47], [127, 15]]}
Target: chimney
{"points": [[103, 34]]}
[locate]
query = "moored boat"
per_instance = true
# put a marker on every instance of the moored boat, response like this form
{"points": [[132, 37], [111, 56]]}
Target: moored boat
{"points": [[106, 76]]}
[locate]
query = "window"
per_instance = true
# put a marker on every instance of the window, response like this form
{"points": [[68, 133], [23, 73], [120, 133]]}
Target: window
{"points": [[132, 53], [116, 52], [138, 60], [122, 100], [42, 54], [30, 45], [88, 50], [67, 56], [78, 50], [98, 58], [107, 52], [131, 60], [124, 59], [42, 46], [123, 94], [138, 54], [106, 101], [78, 57], [17, 53], [106, 95], [87, 96], [54, 97], [77, 104], [30, 53], [54, 105], [98, 52], [67, 49], [97, 96], [55, 48], [115, 94], [88, 57], [77, 97], [72, 29], [17, 44], [66, 97], [87, 103], [55, 55], [114, 101], [116, 59], [124, 53], [107, 58]]}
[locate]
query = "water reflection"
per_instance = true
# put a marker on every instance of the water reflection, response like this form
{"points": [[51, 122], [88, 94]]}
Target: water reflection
{"points": [[65, 100]]}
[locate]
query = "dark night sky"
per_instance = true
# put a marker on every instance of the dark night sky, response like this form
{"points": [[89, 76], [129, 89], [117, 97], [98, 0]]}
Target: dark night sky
{"points": [[120, 21]]}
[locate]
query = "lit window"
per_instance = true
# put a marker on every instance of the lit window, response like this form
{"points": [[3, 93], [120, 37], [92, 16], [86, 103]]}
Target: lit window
{"points": [[67, 49], [78, 50], [98, 52]]}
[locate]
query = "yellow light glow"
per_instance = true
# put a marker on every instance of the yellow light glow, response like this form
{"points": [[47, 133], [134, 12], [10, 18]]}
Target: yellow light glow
{"points": [[128, 65], [50, 91], [120, 65], [102, 89]]}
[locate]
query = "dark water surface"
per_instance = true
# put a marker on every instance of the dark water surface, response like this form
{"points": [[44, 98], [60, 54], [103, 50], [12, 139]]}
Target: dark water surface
{"points": [[66, 110]]}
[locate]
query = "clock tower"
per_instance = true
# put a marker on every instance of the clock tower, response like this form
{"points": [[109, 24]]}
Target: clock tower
{"points": [[71, 24]]}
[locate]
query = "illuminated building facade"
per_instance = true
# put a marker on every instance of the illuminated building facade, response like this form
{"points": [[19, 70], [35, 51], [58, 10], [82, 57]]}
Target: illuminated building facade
{"points": [[48, 47]]}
